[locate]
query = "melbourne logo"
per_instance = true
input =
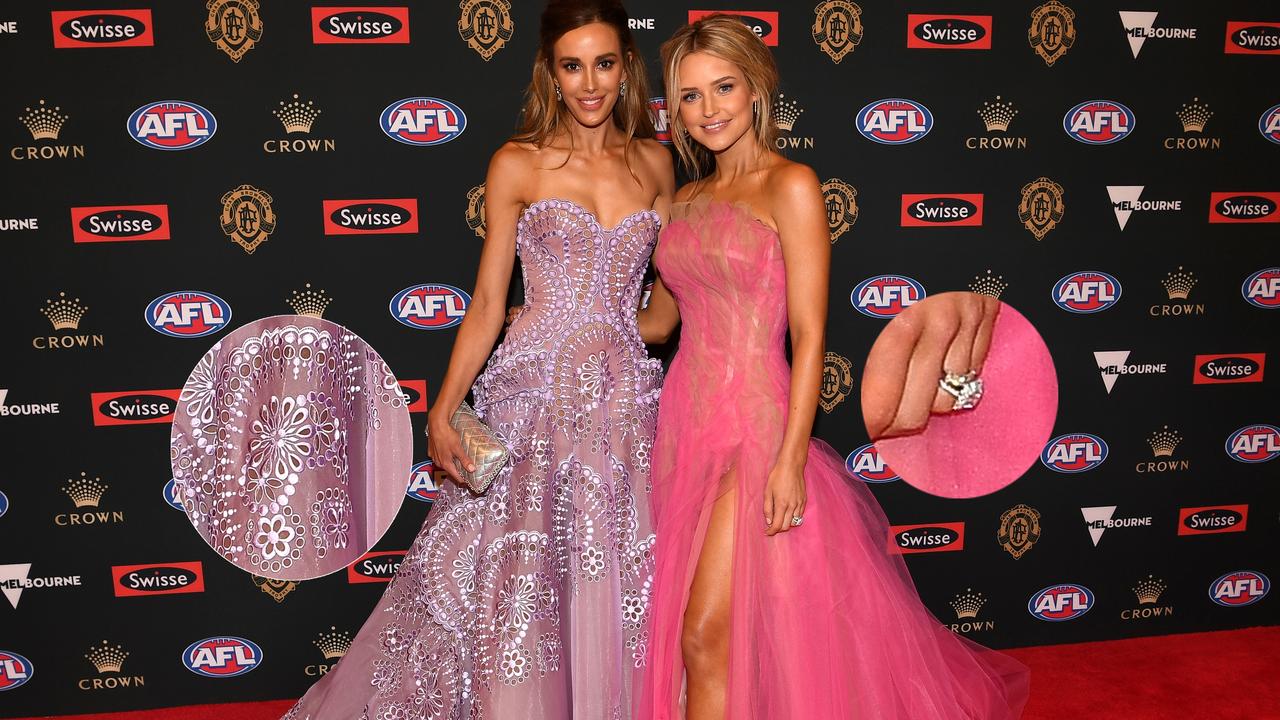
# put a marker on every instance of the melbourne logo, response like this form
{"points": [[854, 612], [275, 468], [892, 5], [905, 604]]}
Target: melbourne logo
{"points": [[894, 121], [247, 217], [172, 125], [764, 23], [485, 25], [371, 217], [866, 464], [430, 306], [234, 26], [1254, 443], [930, 537], [841, 200], [949, 32], [65, 315], [1240, 588], [996, 116], [102, 28], [134, 407], [1074, 453], [1052, 31], [1252, 38], [15, 577], [1262, 289], [884, 296], [1099, 519], [297, 118], [157, 579], [375, 567], [424, 482], [222, 657], [15, 670], [1244, 207], [7, 409], [837, 28], [1125, 200], [1269, 124], [1086, 291], [837, 381], [1099, 122], [45, 124], [188, 314], [1231, 368], [941, 210], [1114, 363], [1041, 207], [359, 25], [423, 121], [1212, 519], [1019, 529], [1059, 603], [1138, 26], [119, 223]]}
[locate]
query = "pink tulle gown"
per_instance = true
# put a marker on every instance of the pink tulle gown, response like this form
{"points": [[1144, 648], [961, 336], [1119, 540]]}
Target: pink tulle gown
{"points": [[825, 623]]}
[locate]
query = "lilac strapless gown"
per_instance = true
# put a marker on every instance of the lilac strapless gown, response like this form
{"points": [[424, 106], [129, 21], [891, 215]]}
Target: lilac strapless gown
{"points": [[532, 600]]}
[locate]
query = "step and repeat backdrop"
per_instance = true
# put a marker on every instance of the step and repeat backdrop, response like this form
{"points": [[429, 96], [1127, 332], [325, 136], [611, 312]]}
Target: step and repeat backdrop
{"points": [[174, 170]]}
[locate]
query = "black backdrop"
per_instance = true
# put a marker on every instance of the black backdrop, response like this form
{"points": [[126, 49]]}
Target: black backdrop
{"points": [[71, 611]]}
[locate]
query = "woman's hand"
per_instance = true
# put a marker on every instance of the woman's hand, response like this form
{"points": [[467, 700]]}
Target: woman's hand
{"points": [[444, 445], [947, 333], [784, 496], [513, 312]]}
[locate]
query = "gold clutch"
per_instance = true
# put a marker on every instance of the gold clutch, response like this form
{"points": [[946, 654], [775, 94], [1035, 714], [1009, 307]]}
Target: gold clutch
{"points": [[482, 445]]}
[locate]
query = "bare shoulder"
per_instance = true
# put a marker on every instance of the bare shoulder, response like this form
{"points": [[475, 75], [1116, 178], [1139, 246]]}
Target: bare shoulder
{"points": [[656, 158], [510, 168], [687, 192], [789, 179]]}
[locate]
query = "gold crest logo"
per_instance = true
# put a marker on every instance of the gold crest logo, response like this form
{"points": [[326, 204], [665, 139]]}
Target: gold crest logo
{"points": [[837, 28], [837, 381], [1041, 207], [247, 217], [485, 25], [277, 589], [1019, 529], [475, 210], [1052, 31], [842, 206], [234, 26]]}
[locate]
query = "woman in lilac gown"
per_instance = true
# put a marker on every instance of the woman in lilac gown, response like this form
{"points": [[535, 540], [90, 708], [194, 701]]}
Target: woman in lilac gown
{"points": [[775, 598], [532, 600]]}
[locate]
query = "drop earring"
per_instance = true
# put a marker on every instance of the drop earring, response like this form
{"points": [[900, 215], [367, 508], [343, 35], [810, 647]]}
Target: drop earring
{"points": [[622, 89], [558, 95]]}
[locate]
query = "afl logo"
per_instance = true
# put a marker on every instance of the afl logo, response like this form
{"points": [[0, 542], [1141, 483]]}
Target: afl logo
{"points": [[661, 128], [430, 306], [188, 314], [424, 485], [1099, 122], [1058, 603], [1087, 291], [866, 464], [423, 121], [884, 296], [1074, 453], [1262, 289], [894, 121], [1269, 124], [1240, 588], [4, 504], [222, 657], [15, 670], [171, 495], [1254, 443], [172, 125]]}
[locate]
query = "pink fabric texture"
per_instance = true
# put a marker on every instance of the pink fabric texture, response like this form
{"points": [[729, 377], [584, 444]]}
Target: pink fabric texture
{"points": [[825, 624], [979, 451]]}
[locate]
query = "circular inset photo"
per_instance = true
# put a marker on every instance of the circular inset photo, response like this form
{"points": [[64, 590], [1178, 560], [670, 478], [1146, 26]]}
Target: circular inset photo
{"points": [[290, 447], [959, 395]]}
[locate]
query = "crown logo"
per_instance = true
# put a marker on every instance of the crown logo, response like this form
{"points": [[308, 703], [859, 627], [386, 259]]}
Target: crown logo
{"points": [[309, 302], [63, 313], [1164, 441], [786, 112], [333, 644], [988, 284], [968, 603], [44, 124], [295, 115], [1149, 590], [85, 492], [997, 115], [1194, 116], [106, 658], [1178, 283]]}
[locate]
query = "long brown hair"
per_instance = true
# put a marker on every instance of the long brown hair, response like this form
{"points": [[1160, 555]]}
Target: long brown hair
{"points": [[544, 116], [728, 39]]}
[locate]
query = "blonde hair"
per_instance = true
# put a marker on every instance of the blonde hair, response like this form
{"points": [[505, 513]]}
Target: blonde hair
{"points": [[728, 39]]}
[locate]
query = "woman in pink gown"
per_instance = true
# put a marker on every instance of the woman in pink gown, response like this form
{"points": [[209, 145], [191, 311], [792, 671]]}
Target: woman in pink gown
{"points": [[774, 596]]}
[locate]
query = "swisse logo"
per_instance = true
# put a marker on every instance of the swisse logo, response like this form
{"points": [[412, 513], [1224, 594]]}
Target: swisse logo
{"points": [[15, 670], [1258, 207], [172, 125], [188, 314], [1262, 289], [375, 567], [884, 296], [222, 657], [1252, 38], [1239, 368], [102, 28], [1213, 519], [866, 464], [1058, 603], [949, 32], [764, 23], [136, 407], [1086, 291], [119, 223], [935, 537], [371, 217], [359, 25], [415, 395], [1099, 122], [1240, 588], [894, 121], [422, 121], [424, 482], [1074, 453], [157, 579], [1254, 443], [937, 210], [661, 121], [430, 306]]}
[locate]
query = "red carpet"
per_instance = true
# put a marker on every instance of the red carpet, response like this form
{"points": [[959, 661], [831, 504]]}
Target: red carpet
{"points": [[1231, 675]]}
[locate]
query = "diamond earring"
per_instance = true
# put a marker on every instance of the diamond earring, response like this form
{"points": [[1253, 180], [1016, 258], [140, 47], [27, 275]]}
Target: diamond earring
{"points": [[558, 95]]}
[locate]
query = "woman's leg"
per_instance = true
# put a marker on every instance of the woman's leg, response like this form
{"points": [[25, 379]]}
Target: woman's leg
{"points": [[704, 641]]}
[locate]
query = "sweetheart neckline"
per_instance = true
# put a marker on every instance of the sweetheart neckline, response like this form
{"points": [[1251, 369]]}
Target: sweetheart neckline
{"points": [[594, 218]]}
